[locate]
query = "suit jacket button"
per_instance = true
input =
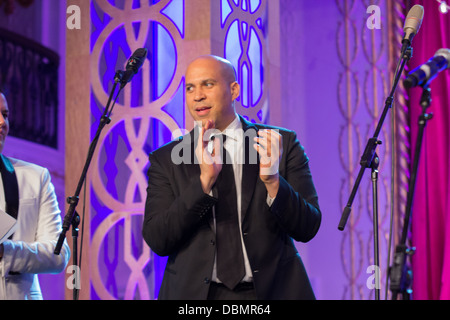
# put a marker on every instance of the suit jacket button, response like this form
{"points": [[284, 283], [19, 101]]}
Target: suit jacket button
{"points": [[207, 281], [213, 242]]}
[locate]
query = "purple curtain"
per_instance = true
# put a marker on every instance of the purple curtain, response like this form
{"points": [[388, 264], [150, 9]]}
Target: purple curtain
{"points": [[430, 221]]}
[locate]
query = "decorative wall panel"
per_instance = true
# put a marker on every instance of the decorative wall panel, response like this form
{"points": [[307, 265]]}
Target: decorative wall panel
{"points": [[29, 76], [365, 82], [149, 112], [241, 31]]}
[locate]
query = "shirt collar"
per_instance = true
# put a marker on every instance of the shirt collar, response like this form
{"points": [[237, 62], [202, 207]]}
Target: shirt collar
{"points": [[234, 129]]}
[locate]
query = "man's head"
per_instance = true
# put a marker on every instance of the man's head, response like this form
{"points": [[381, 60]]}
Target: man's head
{"points": [[211, 89], [4, 122]]}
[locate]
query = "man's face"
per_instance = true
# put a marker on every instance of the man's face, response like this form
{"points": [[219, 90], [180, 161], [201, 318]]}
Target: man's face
{"points": [[210, 91], [4, 122]]}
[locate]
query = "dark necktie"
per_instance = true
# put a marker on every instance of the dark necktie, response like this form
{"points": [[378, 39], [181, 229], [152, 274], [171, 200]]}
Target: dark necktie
{"points": [[10, 186], [230, 261]]}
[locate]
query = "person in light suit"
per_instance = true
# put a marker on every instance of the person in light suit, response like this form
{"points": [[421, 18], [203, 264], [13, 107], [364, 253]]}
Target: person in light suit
{"points": [[29, 251], [276, 199]]}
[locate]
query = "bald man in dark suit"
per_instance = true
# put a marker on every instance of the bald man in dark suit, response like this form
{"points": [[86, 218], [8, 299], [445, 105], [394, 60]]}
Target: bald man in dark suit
{"points": [[227, 218]]}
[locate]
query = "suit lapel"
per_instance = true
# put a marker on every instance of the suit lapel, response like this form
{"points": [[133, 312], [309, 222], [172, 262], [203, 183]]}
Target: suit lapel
{"points": [[195, 168], [10, 187], [250, 168]]}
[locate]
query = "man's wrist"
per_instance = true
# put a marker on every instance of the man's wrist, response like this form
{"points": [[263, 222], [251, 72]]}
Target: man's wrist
{"points": [[206, 183], [269, 200], [272, 186]]}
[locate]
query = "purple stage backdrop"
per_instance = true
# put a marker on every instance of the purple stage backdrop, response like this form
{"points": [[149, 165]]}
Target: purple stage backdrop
{"points": [[331, 63]]}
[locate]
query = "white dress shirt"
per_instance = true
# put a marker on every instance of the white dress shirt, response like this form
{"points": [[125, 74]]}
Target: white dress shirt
{"points": [[234, 145]]}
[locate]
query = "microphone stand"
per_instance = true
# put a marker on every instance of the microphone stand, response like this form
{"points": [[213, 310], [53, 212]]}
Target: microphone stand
{"points": [[369, 159], [374, 167], [72, 217], [400, 274]]}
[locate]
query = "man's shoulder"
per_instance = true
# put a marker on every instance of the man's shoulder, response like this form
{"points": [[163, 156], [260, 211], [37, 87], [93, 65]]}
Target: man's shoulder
{"points": [[28, 171], [283, 131], [25, 165], [261, 126], [166, 149]]}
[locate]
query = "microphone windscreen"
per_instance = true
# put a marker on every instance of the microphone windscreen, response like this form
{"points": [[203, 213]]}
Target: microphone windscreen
{"points": [[413, 20], [141, 52], [444, 53], [136, 60]]}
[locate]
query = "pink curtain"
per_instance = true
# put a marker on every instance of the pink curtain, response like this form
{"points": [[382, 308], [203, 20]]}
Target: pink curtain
{"points": [[430, 221]]}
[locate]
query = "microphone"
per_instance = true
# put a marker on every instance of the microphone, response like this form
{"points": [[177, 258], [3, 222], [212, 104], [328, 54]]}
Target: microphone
{"points": [[425, 73], [133, 65], [412, 24]]}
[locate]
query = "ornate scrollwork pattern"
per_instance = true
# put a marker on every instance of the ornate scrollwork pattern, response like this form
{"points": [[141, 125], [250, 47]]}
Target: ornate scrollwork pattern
{"points": [[362, 90], [148, 110], [244, 33]]}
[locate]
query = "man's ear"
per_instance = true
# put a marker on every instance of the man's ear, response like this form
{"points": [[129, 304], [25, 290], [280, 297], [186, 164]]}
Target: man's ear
{"points": [[235, 90]]}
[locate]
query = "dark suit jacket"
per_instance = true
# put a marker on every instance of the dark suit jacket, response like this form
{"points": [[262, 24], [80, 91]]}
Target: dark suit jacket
{"points": [[178, 221]]}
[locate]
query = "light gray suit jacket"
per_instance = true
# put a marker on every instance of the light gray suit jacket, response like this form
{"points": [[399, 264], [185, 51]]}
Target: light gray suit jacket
{"points": [[30, 251]]}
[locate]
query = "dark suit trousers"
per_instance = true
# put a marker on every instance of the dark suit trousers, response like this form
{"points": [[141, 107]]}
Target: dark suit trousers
{"points": [[243, 291]]}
